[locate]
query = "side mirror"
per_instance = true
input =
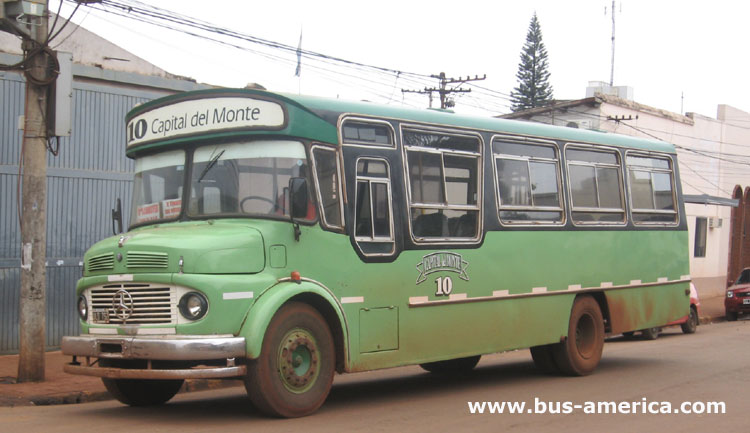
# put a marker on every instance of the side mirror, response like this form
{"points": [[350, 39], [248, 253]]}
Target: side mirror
{"points": [[297, 202], [298, 198], [117, 218]]}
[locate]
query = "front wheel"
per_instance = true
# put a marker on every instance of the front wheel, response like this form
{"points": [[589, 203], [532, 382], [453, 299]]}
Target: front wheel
{"points": [[293, 374], [581, 351], [731, 316], [691, 325]]}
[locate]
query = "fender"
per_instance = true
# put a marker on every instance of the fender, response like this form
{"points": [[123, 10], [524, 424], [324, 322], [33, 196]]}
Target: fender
{"points": [[262, 311]]}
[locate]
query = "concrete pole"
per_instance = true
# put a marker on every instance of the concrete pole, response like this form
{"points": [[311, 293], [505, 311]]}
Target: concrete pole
{"points": [[32, 308]]}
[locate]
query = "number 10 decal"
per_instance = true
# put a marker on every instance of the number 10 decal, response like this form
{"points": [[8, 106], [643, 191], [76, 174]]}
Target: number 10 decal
{"points": [[444, 286]]}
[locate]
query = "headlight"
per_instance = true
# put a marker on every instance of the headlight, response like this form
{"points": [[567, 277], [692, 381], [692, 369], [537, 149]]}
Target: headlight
{"points": [[193, 306], [83, 308], [730, 294]]}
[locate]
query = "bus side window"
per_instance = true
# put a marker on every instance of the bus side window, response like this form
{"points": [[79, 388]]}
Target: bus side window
{"points": [[651, 183], [528, 182], [595, 186], [373, 212], [443, 182], [328, 182]]}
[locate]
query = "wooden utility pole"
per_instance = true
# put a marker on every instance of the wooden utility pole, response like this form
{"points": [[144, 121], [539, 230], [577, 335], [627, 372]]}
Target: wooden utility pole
{"points": [[32, 308], [444, 91]]}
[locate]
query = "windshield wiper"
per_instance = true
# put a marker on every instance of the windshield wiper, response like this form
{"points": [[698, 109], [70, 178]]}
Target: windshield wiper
{"points": [[210, 165]]}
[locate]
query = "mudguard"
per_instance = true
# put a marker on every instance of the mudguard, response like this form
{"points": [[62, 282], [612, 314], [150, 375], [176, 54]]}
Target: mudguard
{"points": [[269, 302]]}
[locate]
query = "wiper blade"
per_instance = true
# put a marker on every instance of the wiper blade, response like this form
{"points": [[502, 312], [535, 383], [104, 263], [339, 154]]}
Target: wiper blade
{"points": [[210, 165]]}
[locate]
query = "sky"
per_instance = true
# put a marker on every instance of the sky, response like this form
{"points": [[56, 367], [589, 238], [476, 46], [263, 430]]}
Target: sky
{"points": [[681, 56]]}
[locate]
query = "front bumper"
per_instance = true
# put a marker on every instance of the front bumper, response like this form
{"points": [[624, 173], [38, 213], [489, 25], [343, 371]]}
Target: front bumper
{"points": [[191, 349]]}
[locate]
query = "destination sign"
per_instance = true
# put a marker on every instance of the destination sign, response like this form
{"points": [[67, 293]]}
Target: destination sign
{"points": [[201, 116]]}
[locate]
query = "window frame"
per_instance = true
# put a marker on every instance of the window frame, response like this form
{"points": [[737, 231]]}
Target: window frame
{"points": [[624, 210], [478, 208], [365, 144], [385, 180], [528, 160], [672, 179], [318, 195]]}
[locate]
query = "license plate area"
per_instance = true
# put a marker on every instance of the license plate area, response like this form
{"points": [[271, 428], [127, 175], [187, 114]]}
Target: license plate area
{"points": [[100, 315], [746, 301]]}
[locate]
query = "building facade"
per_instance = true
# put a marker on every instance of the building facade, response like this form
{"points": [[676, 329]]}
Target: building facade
{"points": [[86, 177], [713, 158]]}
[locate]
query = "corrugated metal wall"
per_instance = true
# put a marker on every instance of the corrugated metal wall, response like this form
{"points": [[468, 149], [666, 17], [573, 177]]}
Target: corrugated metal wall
{"points": [[83, 182]]}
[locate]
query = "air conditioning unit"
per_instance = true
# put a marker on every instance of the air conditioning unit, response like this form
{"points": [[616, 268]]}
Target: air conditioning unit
{"points": [[714, 222]]}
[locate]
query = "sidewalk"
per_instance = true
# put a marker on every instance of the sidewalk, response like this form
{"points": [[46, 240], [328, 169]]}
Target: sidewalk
{"points": [[62, 388]]}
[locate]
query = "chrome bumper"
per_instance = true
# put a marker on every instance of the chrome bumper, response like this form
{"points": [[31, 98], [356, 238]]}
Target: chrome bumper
{"points": [[164, 348]]}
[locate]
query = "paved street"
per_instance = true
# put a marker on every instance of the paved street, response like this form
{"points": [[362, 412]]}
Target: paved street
{"points": [[710, 365]]}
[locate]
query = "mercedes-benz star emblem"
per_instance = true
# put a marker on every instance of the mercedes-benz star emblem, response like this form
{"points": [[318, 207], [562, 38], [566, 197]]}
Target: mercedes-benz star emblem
{"points": [[122, 303]]}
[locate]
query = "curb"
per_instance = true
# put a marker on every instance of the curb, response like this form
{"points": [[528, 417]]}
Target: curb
{"points": [[75, 397]]}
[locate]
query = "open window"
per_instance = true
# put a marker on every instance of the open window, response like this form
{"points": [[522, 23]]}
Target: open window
{"points": [[651, 189], [595, 183], [373, 212], [444, 173], [528, 182], [328, 183]]}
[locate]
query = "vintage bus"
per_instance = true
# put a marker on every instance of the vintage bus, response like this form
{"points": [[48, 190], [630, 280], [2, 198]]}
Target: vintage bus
{"points": [[280, 239]]}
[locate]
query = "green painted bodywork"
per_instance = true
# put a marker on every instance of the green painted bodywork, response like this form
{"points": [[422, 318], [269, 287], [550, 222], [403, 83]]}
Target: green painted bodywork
{"points": [[380, 326]]}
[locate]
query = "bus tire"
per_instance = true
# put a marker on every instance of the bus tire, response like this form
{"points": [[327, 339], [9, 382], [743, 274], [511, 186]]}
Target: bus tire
{"points": [[581, 351], [458, 365], [139, 392], [294, 372], [544, 359]]}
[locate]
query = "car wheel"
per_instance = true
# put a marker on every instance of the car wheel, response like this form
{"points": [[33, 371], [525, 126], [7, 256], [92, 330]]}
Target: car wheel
{"points": [[731, 316], [650, 333], [691, 325]]}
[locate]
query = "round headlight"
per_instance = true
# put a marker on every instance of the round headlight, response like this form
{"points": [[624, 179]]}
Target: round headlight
{"points": [[193, 306], [730, 294], [83, 308]]}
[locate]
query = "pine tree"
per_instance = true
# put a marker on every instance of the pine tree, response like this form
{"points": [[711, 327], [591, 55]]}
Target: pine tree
{"points": [[534, 89]]}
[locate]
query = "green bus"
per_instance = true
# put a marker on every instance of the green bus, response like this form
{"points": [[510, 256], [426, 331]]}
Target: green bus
{"points": [[279, 239]]}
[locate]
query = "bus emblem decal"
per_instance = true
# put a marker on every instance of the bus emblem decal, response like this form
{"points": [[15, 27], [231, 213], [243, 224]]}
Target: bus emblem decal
{"points": [[442, 261]]}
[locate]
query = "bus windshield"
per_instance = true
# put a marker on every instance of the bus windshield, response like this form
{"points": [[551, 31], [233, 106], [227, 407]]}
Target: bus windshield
{"points": [[157, 187], [248, 177]]}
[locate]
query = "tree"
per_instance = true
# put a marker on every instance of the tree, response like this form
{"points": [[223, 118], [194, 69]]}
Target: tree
{"points": [[534, 89]]}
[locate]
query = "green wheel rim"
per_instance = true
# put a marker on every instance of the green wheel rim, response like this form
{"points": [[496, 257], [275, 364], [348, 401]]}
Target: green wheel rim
{"points": [[299, 365]]}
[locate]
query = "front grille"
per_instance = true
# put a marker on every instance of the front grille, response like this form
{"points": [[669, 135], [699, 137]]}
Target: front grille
{"points": [[138, 259], [151, 304], [742, 294], [102, 262]]}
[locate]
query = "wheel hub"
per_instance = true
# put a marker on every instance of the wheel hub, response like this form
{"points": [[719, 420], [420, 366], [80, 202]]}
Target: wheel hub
{"points": [[298, 361]]}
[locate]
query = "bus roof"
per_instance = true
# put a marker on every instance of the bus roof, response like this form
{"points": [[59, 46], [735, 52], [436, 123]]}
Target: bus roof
{"points": [[329, 110]]}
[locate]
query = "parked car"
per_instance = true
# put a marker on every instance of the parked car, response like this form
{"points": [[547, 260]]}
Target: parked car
{"points": [[689, 323], [737, 300]]}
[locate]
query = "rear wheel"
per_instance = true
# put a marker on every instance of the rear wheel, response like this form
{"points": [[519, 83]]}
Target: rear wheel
{"points": [[581, 351], [458, 365], [293, 375], [139, 392], [691, 325]]}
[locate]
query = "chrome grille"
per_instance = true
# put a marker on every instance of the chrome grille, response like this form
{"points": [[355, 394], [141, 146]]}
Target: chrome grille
{"points": [[152, 304], [102, 262], [138, 259]]}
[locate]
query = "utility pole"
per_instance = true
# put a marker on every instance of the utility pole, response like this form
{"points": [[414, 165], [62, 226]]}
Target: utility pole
{"points": [[443, 91], [29, 20]]}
